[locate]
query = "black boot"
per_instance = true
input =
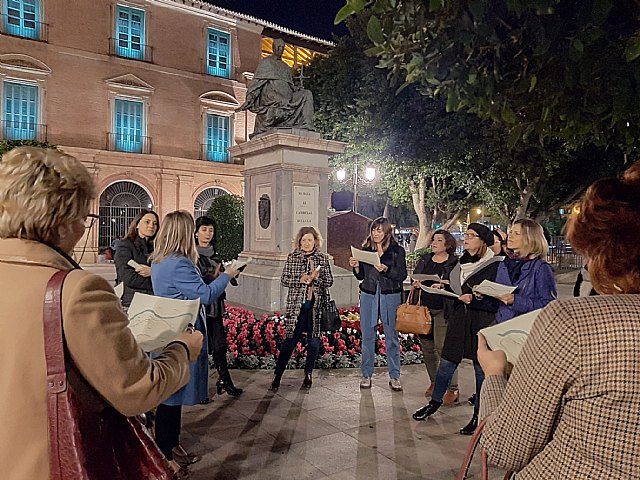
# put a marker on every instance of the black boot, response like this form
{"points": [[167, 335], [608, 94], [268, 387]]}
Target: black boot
{"points": [[426, 411], [275, 383], [470, 427], [306, 383], [227, 386]]}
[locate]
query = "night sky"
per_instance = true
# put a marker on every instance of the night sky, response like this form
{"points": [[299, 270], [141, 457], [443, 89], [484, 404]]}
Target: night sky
{"points": [[313, 17]]}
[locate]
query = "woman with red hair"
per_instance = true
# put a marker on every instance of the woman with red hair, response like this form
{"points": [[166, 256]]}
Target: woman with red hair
{"points": [[571, 406]]}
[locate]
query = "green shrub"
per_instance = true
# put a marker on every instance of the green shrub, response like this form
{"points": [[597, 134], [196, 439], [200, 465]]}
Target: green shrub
{"points": [[228, 213]]}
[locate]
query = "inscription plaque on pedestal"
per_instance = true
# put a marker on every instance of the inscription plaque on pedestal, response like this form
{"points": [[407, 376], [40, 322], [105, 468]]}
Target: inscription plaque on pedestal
{"points": [[305, 206]]}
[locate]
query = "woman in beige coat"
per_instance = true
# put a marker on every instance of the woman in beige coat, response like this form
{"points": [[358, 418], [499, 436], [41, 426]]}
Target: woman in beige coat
{"points": [[45, 197]]}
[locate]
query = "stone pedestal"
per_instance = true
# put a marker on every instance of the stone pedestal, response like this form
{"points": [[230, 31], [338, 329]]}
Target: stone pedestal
{"points": [[286, 187]]}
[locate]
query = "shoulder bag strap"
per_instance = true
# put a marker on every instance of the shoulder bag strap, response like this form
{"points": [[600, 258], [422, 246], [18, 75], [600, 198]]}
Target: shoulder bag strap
{"points": [[54, 355]]}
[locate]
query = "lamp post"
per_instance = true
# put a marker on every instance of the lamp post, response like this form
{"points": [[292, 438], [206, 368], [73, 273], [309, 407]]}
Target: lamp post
{"points": [[369, 176]]}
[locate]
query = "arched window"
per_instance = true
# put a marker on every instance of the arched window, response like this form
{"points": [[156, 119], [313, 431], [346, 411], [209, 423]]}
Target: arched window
{"points": [[204, 200], [119, 204]]}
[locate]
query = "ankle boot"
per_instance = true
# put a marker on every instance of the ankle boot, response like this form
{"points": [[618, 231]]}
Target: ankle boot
{"points": [[229, 387], [275, 383], [470, 427], [306, 383], [426, 411]]}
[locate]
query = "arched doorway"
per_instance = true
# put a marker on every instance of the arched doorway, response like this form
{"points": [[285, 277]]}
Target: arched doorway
{"points": [[119, 204], [204, 200]]}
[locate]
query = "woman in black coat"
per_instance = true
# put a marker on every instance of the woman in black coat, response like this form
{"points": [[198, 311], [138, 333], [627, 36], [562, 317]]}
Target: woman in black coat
{"points": [[466, 315], [211, 266], [440, 261], [136, 246]]}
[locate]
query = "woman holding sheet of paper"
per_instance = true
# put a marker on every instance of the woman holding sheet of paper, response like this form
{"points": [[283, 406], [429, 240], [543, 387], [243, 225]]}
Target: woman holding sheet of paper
{"points": [[466, 315], [175, 275], [137, 246], [380, 296], [525, 268], [439, 262], [571, 406]]}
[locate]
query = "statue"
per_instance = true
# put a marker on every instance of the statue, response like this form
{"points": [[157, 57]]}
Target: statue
{"points": [[274, 98]]}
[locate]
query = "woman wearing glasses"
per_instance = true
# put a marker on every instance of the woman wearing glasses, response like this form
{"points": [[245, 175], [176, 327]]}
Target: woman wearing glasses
{"points": [[525, 268], [466, 315], [137, 245]]}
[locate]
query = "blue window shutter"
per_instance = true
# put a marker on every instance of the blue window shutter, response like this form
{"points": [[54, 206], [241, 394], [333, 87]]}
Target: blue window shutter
{"points": [[22, 18], [129, 125], [217, 138], [130, 32], [20, 117], [219, 54]]}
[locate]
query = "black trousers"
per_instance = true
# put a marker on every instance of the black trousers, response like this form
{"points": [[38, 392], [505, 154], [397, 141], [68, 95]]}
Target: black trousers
{"points": [[304, 324], [168, 420], [217, 343]]}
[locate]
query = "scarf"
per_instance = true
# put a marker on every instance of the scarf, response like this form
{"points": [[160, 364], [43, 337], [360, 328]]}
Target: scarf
{"points": [[469, 264]]}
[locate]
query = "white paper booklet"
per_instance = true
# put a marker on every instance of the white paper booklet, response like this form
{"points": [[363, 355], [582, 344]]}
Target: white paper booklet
{"points": [[133, 264], [371, 258], [511, 335], [423, 278], [493, 289], [237, 263], [119, 289], [439, 291], [156, 321]]}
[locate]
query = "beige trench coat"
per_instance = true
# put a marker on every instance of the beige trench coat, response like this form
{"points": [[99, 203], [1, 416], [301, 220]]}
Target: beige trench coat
{"points": [[108, 365]]}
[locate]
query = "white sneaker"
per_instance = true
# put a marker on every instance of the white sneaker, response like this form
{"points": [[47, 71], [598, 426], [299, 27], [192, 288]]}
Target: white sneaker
{"points": [[365, 382], [395, 385]]}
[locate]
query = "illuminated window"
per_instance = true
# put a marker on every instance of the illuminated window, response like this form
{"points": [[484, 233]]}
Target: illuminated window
{"points": [[219, 54]]}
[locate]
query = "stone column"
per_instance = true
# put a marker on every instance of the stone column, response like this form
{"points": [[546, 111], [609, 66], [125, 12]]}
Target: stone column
{"points": [[286, 187]]}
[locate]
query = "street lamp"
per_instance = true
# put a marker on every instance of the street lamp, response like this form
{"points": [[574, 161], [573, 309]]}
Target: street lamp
{"points": [[369, 176]]}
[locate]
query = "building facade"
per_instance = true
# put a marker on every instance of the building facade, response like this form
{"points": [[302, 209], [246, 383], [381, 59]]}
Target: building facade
{"points": [[143, 92]]}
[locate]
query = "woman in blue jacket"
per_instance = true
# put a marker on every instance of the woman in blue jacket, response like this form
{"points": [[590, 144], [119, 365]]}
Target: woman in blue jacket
{"points": [[174, 275], [525, 268], [380, 296]]}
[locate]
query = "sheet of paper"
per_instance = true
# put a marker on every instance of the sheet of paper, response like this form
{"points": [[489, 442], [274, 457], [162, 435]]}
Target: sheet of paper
{"points": [[156, 321], [511, 335], [119, 289], [423, 278], [371, 258], [493, 289], [439, 291], [133, 264], [238, 263]]}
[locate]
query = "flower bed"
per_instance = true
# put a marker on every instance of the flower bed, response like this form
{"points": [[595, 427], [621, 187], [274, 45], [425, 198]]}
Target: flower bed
{"points": [[255, 342]]}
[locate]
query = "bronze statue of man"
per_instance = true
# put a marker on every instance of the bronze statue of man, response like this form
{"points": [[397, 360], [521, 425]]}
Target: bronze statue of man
{"points": [[275, 99]]}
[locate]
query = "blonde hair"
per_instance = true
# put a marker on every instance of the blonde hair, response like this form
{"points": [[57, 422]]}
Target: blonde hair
{"points": [[42, 189], [304, 231], [534, 243], [175, 237]]}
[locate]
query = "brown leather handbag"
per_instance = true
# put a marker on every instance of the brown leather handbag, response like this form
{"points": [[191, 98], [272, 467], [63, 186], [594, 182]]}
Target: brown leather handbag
{"points": [[84, 444], [414, 319]]}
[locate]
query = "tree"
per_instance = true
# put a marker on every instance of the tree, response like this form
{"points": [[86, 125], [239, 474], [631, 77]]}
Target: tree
{"points": [[228, 213], [6, 145], [548, 69]]}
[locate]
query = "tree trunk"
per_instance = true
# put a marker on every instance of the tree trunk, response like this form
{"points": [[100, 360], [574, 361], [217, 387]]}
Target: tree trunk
{"points": [[526, 192], [417, 199]]}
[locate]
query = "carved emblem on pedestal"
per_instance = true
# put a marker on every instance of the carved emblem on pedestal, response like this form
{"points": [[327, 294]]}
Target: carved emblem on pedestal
{"points": [[264, 211]]}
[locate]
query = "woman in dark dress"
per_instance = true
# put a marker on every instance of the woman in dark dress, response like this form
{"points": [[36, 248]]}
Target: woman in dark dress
{"points": [[440, 261], [211, 266], [137, 246], [466, 315]]}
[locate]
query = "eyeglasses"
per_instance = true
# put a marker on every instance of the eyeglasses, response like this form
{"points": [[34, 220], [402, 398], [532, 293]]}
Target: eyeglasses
{"points": [[90, 219], [469, 236]]}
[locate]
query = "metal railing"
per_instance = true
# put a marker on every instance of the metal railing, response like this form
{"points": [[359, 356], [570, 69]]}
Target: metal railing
{"points": [[121, 48], [24, 28], [562, 256], [209, 153], [21, 130], [117, 142]]}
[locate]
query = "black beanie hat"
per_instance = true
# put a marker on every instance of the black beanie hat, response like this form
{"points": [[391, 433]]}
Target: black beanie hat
{"points": [[483, 232]]}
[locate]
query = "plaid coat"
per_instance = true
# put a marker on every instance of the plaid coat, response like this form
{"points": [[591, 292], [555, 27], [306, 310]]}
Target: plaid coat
{"points": [[571, 408], [298, 264]]}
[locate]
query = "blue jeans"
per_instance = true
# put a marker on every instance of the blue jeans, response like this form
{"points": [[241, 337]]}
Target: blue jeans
{"points": [[372, 308], [304, 324], [444, 376]]}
